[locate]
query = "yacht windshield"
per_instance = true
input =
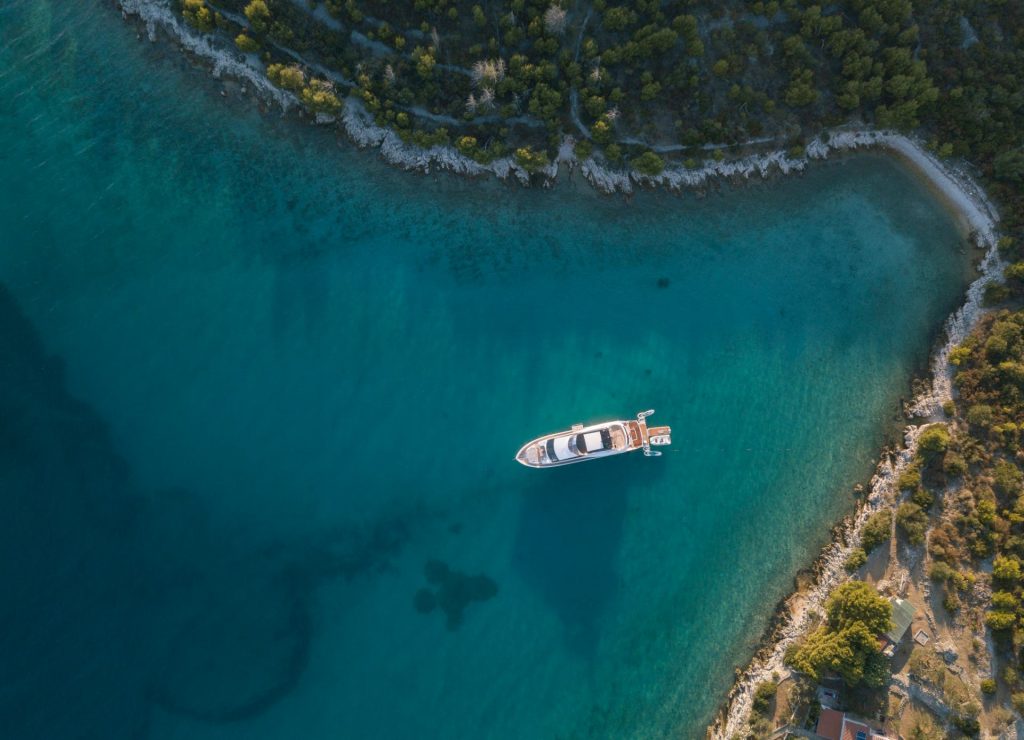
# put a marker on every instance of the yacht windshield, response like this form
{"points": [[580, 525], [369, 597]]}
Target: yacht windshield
{"points": [[563, 448], [594, 441]]}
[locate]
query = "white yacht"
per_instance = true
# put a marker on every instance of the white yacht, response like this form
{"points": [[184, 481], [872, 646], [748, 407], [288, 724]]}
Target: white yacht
{"points": [[593, 442]]}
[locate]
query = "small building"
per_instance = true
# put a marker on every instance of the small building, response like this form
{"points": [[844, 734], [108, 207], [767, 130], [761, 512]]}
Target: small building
{"points": [[835, 725], [828, 698], [902, 616], [830, 724]]}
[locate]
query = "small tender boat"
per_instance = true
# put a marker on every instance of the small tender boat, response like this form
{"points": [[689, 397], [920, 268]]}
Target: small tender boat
{"points": [[593, 442]]}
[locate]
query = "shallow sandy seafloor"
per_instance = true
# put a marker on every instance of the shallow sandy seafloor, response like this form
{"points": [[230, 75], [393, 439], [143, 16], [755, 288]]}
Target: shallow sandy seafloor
{"points": [[979, 220]]}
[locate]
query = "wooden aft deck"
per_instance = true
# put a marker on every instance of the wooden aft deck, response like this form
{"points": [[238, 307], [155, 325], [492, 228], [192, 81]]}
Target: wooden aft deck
{"points": [[637, 434]]}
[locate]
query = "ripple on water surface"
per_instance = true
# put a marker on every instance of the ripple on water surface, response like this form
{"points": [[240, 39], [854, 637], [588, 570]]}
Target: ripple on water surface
{"points": [[260, 397]]}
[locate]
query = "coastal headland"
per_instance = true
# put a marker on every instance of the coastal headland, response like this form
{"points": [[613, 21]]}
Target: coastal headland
{"points": [[952, 183], [797, 616], [948, 498], [364, 129]]}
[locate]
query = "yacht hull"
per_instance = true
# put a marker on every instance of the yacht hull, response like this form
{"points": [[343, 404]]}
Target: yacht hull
{"points": [[593, 442]]}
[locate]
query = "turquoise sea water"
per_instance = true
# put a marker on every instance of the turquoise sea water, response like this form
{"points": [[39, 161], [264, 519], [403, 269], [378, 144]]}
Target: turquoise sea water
{"points": [[252, 382]]}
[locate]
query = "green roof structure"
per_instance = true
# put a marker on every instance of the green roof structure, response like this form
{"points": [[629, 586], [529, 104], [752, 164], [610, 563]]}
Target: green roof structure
{"points": [[902, 615]]}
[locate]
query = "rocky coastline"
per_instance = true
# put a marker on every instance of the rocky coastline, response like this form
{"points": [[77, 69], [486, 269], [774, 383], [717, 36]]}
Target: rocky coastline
{"points": [[954, 186], [794, 615]]}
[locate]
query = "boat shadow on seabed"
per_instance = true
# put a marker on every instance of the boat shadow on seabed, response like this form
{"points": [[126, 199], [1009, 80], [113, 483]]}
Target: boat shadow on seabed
{"points": [[569, 534]]}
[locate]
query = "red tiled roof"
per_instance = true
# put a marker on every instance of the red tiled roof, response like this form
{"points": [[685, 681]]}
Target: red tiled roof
{"points": [[851, 728], [830, 724]]}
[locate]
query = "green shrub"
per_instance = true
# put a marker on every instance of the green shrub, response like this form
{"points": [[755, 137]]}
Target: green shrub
{"points": [[1006, 434], [954, 465], [934, 440], [601, 131], [855, 559], [877, 529], [909, 479], [648, 163], [763, 695], [941, 571], [466, 144], [429, 139], [246, 43], [1004, 601], [959, 355], [290, 77], [1014, 272], [530, 160], [425, 61], [986, 511], [967, 724], [950, 600], [1009, 165], [258, 14], [980, 415], [1018, 701], [923, 498], [913, 521], [1008, 479], [196, 14], [988, 686], [1006, 569], [319, 97], [847, 642]]}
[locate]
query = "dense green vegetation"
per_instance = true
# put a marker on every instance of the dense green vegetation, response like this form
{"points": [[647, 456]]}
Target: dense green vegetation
{"points": [[637, 80], [990, 380], [877, 530], [764, 693], [977, 525], [855, 559], [847, 642]]}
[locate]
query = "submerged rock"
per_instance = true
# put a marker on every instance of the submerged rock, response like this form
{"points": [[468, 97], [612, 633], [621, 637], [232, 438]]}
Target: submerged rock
{"points": [[436, 572], [454, 591], [425, 601]]}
